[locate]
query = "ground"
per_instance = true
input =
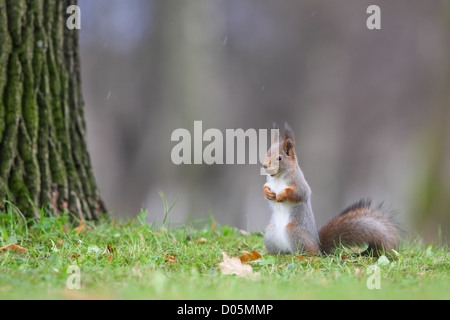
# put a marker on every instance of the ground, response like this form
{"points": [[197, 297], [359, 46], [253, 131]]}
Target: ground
{"points": [[112, 259]]}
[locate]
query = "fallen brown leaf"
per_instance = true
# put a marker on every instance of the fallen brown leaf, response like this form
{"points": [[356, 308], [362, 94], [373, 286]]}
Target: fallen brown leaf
{"points": [[247, 256], [236, 267], [214, 225], [80, 227], [111, 249], [13, 247], [301, 257], [171, 258]]}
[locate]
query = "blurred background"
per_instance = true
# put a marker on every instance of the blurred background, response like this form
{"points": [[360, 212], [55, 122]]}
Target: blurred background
{"points": [[370, 108]]}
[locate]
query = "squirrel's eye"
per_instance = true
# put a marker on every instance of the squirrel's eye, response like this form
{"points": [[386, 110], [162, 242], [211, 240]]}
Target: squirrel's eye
{"points": [[279, 158]]}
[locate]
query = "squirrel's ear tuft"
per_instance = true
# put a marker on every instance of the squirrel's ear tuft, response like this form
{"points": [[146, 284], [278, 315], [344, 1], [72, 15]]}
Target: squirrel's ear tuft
{"points": [[288, 132], [289, 140]]}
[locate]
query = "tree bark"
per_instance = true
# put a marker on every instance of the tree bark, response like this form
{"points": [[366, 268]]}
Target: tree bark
{"points": [[43, 153]]}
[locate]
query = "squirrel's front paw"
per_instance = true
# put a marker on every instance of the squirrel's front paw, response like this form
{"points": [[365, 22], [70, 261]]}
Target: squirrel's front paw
{"points": [[269, 194], [280, 197], [283, 195]]}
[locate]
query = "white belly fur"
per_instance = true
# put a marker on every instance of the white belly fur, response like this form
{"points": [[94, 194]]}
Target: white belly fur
{"points": [[280, 217]]}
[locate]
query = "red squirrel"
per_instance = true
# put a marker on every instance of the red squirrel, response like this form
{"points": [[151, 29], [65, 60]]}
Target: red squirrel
{"points": [[292, 228]]}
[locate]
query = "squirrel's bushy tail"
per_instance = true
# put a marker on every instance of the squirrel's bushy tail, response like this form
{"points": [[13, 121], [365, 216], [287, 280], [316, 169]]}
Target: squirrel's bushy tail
{"points": [[361, 224]]}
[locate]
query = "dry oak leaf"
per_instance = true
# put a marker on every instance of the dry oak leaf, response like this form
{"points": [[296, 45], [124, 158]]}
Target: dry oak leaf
{"points": [[236, 267], [249, 256], [13, 247]]}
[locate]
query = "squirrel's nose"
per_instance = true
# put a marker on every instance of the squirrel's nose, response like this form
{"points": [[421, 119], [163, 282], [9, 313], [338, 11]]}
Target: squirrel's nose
{"points": [[266, 164]]}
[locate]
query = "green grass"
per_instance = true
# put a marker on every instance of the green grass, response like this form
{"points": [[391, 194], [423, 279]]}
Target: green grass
{"points": [[142, 266]]}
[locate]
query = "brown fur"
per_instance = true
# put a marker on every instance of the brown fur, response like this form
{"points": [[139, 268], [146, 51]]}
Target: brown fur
{"points": [[289, 195], [361, 224]]}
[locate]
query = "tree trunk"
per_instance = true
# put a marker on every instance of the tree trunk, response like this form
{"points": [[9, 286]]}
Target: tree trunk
{"points": [[43, 153]]}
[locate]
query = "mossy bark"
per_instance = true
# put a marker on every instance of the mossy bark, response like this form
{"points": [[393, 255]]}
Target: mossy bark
{"points": [[43, 153]]}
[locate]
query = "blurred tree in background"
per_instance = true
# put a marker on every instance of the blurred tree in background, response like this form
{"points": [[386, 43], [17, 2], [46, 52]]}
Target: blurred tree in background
{"points": [[43, 154]]}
